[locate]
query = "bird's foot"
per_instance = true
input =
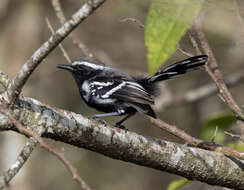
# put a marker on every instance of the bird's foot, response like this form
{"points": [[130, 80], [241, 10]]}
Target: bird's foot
{"points": [[99, 119], [120, 126]]}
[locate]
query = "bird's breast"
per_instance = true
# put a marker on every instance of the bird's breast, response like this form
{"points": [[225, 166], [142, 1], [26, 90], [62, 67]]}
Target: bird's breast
{"points": [[85, 91]]}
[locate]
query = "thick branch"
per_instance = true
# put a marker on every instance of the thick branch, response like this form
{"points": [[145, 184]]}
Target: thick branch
{"points": [[193, 163], [192, 141], [47, 147], [20, 79]]}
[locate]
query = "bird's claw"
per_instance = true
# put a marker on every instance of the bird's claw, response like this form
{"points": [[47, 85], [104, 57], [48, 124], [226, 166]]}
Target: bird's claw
{"points": [[99, 120], [121, 126]]}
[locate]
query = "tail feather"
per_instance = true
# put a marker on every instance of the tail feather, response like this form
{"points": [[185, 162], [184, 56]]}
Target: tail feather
{"points": [[179, 68]]}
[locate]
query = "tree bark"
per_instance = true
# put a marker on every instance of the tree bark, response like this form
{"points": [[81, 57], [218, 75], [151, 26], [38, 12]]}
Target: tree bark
{"points": [[68, 127]]}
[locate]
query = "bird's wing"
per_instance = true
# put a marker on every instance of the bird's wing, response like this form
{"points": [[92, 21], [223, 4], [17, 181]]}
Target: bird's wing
{"points": [[131, 91], [125, 90]]}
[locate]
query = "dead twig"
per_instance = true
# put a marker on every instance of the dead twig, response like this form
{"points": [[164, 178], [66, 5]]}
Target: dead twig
{"points": [[76, 41], [65, 54], [194, 142], [4, 80], [47, 147], [20, 161], [238, 13], [183, 51], [215, 134], [176, 132], [234, 135], [194, 44], [16, 85], [136, 21], [204, 91], [213, 70]]}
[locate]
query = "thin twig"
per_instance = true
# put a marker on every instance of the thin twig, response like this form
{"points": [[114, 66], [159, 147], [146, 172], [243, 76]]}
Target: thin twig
{"points": [[139, 23], [204, 91], [234, 135], [16, 85], [210, 89], [183, 51], [192, 141], [20, 161], [65, 54], [47, 147], [176, 132], [4, 80], [76, 41], [194, 43], [215, 134], [6, 185], [213, 70], [58, 10], [237, 11]]}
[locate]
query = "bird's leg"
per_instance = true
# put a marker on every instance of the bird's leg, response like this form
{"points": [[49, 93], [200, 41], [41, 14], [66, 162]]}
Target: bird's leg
{"points": [[98, 116], [118, 124]]}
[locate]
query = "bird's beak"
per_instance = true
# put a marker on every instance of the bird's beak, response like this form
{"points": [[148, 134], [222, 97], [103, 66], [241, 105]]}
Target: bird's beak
{"points": [[66, 67]]}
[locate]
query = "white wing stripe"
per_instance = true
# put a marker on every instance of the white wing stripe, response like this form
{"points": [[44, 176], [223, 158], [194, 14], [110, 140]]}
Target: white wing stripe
{"points": [[110, 92], [104, 101], [135, 84], [135, 87], [101, 83]]}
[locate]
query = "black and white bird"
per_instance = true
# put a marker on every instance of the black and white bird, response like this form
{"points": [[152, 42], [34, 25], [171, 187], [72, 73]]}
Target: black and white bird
{"points": [[116, 93]]}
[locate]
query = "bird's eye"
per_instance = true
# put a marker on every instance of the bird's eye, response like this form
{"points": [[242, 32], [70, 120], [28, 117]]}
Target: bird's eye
{"points": [[84, 70], [80, 67]]}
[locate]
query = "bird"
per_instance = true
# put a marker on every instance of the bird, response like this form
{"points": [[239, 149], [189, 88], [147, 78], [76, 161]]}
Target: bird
{"points": [[117, 93]]}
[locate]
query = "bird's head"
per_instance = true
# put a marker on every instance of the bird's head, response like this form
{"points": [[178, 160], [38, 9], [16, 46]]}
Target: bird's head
{"points": [[83, 68]]}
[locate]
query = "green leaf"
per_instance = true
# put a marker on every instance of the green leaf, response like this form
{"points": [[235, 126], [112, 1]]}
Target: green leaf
{"points": [[166, 23], [177, 184], [236, 146], [222, 121], [208, 133]]}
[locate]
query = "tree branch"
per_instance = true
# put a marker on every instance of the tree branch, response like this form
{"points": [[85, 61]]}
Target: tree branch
{"points": [[213, 70], [4, 80], [20, 161], [47, 147], [136, 21], [205, 91], [192, 163], [76, 41], [22, 76], [61, 47], [192, 141]]}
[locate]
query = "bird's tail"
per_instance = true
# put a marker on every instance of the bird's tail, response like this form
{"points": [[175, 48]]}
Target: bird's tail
{"points": [[179, 68]]}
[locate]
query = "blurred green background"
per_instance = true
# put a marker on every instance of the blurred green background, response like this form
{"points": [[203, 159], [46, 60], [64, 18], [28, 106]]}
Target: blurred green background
{"points": [[119, 44]]}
